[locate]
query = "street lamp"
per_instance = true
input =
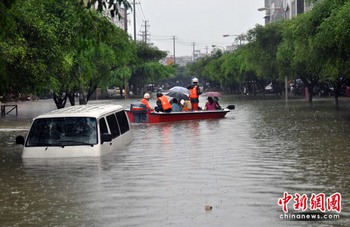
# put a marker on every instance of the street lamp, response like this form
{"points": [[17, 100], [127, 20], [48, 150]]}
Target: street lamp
{"points": [[216, 46], [282, 8], [229, 35], [274, 8], [239, 37]]}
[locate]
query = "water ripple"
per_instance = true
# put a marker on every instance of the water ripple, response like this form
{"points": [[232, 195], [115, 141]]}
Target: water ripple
{"points": [[239, 165]]}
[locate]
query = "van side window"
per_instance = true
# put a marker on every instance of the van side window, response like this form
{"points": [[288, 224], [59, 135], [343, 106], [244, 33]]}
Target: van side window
{"points": [[123, 122], [103, 126], [113, 126]]}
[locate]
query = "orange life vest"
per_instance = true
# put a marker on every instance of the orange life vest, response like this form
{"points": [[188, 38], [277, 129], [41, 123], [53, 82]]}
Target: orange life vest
{"points": [[144, 101], [165, 102], [193, 92]]}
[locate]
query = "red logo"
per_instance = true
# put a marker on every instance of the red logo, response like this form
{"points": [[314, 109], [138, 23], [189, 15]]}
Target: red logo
{"points": [[317, 202]]}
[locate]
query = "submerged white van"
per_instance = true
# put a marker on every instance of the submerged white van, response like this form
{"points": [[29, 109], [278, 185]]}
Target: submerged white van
{"points": [[77, 131]]}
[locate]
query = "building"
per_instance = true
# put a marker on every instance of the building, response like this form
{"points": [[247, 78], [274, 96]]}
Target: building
{"points": [[181, 60], [283, 9], [119, 20]]}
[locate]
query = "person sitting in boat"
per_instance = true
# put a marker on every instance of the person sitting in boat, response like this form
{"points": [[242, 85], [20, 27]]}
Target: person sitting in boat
{"points": [[163, 104], [217, 105], [186, 106], [210, 105], [175, 106], [145, 101]]}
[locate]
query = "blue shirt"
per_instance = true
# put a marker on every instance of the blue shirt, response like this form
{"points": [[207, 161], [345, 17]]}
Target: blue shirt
{"points": [[175, 107]]}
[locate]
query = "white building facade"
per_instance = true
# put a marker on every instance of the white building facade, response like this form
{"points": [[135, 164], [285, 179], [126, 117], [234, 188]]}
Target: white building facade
{"points": [[119, 20], [283, 9]]}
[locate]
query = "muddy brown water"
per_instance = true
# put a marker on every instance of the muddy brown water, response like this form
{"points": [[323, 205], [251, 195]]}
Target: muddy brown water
{"points": [[171, 172]]}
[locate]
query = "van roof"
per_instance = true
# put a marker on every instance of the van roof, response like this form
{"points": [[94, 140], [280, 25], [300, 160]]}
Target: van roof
{"points": [[93, 110]]}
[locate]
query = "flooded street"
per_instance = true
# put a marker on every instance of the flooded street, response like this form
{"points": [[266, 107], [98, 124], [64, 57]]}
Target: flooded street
{"points": [[240, 166]]}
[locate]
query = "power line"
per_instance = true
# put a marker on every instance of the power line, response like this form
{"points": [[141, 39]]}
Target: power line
{"points": [[140, 6], [145, 33], [139, 16]]}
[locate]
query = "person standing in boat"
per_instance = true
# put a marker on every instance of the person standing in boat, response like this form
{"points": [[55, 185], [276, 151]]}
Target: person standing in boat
{"points": [[163, 103], [194, 93], [145, 101]]}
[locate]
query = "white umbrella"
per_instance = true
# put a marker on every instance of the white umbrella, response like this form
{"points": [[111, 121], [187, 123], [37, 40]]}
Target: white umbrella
{"points": [[180, 89], [177, 95]]}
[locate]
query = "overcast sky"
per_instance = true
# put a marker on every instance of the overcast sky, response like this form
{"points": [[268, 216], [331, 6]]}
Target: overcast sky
{"points": [[203, 22]]}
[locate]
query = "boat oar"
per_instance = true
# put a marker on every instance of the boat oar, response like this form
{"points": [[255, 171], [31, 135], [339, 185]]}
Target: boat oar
{"points": [[230, 107]]}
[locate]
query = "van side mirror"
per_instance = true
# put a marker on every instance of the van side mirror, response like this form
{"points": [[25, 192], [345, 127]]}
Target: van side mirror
{"points": [[106, 137], [20, 140]]}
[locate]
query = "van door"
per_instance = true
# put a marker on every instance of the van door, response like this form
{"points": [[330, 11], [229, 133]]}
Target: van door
{"points": [[106, 147], [114, 129], [123, 122]]}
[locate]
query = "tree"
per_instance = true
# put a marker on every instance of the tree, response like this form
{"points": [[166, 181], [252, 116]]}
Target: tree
{"points": [[100, 59], [285, 51], [308, 59], [198, 68], [30, 49], [59, 46], [212, 71], [332, 41], [237, 69], [262, 55], [181, 76], [146, 68]]}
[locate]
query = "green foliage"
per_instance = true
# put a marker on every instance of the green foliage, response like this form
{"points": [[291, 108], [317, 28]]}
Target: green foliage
{"points": [[59, 46], [146, 53], [146, 67], [311, 46], [236, 65], [66, 47], [99, 60], [29, 47], [198, 68], [332, 40], [212, 70], [181, 77], [263, 50]]}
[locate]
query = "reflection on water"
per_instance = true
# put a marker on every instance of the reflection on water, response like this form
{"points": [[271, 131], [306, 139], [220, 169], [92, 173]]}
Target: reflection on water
{"points": [[240, 165]]}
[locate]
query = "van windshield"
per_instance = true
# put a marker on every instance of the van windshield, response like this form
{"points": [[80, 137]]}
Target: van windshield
{"points": [[65, 131]]}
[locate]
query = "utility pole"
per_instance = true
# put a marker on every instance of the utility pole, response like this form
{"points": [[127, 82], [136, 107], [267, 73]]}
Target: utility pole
{"points": [[125, 20], [134, 9], [174, 37], [194, 50], [144, 34]]}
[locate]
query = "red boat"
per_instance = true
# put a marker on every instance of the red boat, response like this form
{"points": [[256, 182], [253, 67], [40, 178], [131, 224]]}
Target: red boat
{"points": [[138, 114]]}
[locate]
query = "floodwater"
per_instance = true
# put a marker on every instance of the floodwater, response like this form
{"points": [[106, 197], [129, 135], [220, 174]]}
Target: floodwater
{"points": [[240, 166]]}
